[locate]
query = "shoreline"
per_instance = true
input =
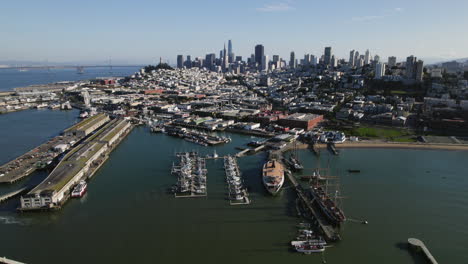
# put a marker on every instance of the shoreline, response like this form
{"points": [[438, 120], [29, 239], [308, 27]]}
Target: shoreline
{"points": [[392, 145]]}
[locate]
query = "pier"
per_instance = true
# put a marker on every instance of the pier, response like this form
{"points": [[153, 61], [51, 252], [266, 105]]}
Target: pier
{"points": [[4, 260], [10, 195], [46, 153], [79, 164], [326, 229], [419, 246]]}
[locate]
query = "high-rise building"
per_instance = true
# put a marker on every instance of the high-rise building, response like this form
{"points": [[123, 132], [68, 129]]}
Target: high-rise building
{"points": [[391, 62], [313, 60], [251, 60], [264, 65], [276, 58], [306, 59], [210, 61], [188, 62], [410, 67], [367, 58], [379, 70], [360, 62], [376, 58], [351, 61], [238, 58], [225, 64], [333, 62], [180, 61], [229, 47], [327, 56], [356, 57], [259, 53], [419, 70], [292, 60]]}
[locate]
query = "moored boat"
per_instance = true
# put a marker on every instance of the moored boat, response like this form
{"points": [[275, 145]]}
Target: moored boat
{"points": [[79, 190], [309, 247], [273, 176]]}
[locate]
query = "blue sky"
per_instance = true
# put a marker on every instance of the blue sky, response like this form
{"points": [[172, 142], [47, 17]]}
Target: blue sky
{"points": [[141, 31]]}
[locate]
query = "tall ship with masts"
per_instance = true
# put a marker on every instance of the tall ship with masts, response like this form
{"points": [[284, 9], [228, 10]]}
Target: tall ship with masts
{"points": [[328, 202], [293, 161], [273, 176]]}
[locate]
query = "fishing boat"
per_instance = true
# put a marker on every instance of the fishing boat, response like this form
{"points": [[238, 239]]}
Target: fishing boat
{"points": [[79, 190], [273, 176]]}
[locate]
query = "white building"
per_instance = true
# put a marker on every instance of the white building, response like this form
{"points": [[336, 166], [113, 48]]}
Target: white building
{"points": [[379, 70]]}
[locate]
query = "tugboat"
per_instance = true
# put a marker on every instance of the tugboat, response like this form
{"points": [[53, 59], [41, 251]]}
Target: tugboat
{"points": [[79, 190]]}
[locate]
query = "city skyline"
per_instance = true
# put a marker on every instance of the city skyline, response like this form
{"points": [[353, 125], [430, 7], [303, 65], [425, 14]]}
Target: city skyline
{"points": [[132, 34]]}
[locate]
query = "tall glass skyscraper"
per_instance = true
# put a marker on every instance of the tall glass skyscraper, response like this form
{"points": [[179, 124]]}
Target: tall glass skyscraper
{"points": [[259, 53]]}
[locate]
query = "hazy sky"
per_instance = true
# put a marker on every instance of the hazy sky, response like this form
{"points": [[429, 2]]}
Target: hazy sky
{"points": [[141, 31]]}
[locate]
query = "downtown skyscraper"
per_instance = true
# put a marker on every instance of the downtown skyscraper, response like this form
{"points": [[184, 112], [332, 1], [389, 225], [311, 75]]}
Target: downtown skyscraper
{"points": [[230, 52], [327, 56], [292, 60], [259, 53]]}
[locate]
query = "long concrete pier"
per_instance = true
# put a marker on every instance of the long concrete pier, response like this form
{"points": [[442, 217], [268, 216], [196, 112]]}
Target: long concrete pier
{"points": [[419, 246], [45, 154], [79, 164], [10, 195]]}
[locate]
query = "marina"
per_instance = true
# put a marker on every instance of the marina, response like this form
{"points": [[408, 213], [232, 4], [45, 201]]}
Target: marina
{"points": [[191, 176], [236, 190]]}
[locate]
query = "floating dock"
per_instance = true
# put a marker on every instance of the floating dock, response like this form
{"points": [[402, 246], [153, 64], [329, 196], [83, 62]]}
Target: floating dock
{"points": [[191, 176], [236, 190], [79, 164], [419, 246]]}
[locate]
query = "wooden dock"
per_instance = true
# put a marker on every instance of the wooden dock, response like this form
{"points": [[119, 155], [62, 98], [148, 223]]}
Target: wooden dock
{"points": [[419, 246]]}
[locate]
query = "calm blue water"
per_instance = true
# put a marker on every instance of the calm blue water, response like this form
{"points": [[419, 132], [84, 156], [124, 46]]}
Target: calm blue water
{"points": [[12, 78]]}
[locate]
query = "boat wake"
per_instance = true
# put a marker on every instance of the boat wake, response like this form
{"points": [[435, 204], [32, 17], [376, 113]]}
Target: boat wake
{"points": [[10, 220]]}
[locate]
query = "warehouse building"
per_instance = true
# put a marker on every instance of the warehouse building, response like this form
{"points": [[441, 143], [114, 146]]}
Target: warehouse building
{"points": [[300, 120], [87, 126]]}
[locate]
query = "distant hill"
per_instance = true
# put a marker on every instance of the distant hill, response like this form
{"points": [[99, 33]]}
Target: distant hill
{"points": [[440, 61]]}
